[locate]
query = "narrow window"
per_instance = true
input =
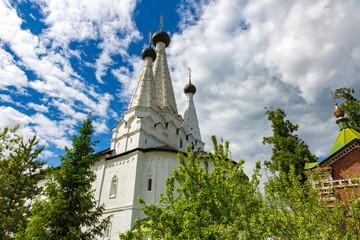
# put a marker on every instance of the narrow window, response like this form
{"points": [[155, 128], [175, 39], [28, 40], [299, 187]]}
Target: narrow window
{"points": [[181, 143], [130, 140], [113, 187], [145, 141], [149, 184], [107, 233]]}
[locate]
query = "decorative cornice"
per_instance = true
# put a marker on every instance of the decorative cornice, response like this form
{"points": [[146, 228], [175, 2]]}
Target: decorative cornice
{"points": [[340, 153], [103, 152], [122, 208], [144, 150]]}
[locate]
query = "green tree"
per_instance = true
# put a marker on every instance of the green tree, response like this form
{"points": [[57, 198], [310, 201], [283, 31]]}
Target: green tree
{"points": [[20, 171], [205, 201], [288, 149], [295, 209], [351, 106], [296, 206], [69, 210]]}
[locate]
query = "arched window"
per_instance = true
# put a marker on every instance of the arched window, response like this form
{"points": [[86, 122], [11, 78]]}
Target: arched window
{"points": [[149, 184], [113, 187]]}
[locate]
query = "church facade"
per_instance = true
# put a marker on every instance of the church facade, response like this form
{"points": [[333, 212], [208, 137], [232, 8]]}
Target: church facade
{"points": [[145, 143]]}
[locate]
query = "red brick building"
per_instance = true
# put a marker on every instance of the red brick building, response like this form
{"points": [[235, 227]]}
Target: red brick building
{"points": [[341, 169]]}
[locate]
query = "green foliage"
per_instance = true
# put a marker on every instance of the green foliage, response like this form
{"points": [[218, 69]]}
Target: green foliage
{"points": [[351, 106], [213, 199], [294, 209], [20, 171], [344, 218], [288, 149], [299, 210], [205, 201], [69, 210]]}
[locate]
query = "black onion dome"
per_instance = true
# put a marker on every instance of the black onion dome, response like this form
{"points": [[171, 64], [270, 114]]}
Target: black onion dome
{"points": [[148, 52], [189, 88], [161, 36]]}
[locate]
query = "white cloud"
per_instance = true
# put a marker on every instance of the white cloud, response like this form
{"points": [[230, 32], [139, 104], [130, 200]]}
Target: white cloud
{"points": [[45, 154], [110, 21], [100, 127], [247, 55], [6, 98], [113, 26], [10, 74], [50, 130], [67, 110], [11, 117], [128, 78], [47, 55], [38, 107]]}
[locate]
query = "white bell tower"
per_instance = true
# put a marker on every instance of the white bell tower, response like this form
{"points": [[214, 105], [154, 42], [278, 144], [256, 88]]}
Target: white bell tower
{"points": [[145, 143]]}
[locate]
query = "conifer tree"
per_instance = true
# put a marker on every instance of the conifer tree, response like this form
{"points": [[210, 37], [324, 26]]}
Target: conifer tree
{"points": [[287, 148], [69, 210], [20, 171]]}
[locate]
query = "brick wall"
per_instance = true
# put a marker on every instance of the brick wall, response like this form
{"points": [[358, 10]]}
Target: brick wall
{"points": [[348, 166]]}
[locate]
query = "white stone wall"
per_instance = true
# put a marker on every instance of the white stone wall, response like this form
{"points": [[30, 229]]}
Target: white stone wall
{"points": [[133, 171]]}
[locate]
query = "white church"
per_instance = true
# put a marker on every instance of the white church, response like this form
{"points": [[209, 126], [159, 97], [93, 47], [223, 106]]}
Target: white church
{"points": [[145, 143]]}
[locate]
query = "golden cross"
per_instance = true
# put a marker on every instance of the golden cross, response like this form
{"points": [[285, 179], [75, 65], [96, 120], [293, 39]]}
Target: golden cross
{"points": [[332, 94], [162, 21], [149, 38], [189, 74]]}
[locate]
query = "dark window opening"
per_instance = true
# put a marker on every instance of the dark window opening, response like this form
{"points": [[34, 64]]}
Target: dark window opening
{"points": [[149, 184]]}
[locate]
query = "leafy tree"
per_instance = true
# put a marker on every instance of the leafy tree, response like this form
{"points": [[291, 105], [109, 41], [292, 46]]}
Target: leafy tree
{"points": [[69, 210], [294, 208], [351, 106], [297, 209], [20, 171], [205, 201], [288, 149]]}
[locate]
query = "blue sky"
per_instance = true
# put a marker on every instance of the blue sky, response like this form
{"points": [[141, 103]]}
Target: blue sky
{"points": [[60, 60]]}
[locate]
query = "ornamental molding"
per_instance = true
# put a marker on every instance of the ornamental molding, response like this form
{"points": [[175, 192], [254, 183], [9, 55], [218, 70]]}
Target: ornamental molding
{"points": [[340, 154]]}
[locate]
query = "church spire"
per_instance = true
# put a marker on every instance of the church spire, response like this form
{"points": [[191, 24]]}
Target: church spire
{"points": [[164, 88], [191, 125], [339, 114], [144, 94]]}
